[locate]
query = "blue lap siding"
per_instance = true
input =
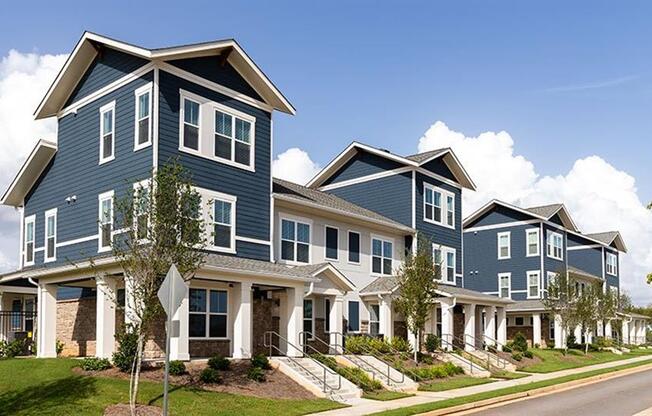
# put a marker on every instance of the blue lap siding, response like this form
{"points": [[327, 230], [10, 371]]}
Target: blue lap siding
{"points": [[362, 164], [587, 258]]}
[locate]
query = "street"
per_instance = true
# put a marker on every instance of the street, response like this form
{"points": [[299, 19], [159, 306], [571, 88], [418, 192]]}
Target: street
{"points": [[622, 396]]}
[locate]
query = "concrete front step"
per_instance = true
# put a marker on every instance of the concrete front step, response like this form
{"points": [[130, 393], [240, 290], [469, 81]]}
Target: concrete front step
{"points": [[377, 370], [492, 361], [469, 368]]}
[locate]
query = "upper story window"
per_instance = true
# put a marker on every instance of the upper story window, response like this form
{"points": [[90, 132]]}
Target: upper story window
{"points": [[105, 221], [107, 133], [382, 252], [233, 138], [208, 315], [551, 279], [50, 235], [532, 242], [190, 131], [504, 245], [29, 239], [332, 237], [295, 241], [439, 206], [141, 209], [555, 246], [444, 259], [143, 127], [612, 264], [354, 247], [533, 278], [505, 285], [223, 220]]}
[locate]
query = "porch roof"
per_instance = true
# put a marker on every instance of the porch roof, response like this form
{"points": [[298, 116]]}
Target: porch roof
{"points": [[581, 273], [531, 305]]}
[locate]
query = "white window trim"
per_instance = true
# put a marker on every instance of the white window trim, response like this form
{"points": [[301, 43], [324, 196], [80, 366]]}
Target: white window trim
{"points": [[145, 89], [252, 139], [50, 213], [208, 313], [326, 226], [611, 269], [550, 248], [348, 317], [509, 244], [183, 96], [444, 207], [312, 318], [100, 198], [527, 242], [208, 207], [294, 219], [105, 108], [445, 278], [509, 286], [536, 273], [371, 305], [371, 254], [30, 219], [348, 248]]}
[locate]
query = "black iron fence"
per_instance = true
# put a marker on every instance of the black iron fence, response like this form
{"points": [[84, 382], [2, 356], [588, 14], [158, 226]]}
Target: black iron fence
{"points": [[18, 326]]}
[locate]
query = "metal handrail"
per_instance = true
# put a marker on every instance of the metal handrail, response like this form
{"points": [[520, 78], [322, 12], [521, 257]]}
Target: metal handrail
{"points": [[341, 347], [452, 346], [325, 369], [501, 363]]}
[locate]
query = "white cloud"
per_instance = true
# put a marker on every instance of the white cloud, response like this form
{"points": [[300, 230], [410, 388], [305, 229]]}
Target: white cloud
{"points": [[599, 196], [24, 79], [294, 165]]}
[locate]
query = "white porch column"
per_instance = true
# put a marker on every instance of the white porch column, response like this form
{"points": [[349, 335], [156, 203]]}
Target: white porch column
{"points": [[599, 329], [47, 321], [607, 329], [105, 316], [433, 321], [536, 329], [637, 332], [3, 335], [386, 317], [179, 344], [625, 332], [469, 326], [578, 334], [242, 324], [335, 318], [501, 335], [294, 319], [560, 336], [642, 332], [489, 324], [447, 306], [632, 332]]}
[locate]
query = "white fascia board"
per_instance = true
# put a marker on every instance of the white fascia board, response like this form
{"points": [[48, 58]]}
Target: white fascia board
{"points": [[29, 173]]}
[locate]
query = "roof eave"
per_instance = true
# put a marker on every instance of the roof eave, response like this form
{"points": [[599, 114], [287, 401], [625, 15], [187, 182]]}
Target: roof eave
{"points": [[29, 173]]}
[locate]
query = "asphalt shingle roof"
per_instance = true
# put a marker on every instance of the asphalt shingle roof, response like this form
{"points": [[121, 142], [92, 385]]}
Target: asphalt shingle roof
{"points": [[607, 237], [382, 284], [420, 157], [582, 273], [260, 266], [526, 305], [546, 211]]}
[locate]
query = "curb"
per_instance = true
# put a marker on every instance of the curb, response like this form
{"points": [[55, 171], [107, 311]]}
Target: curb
{"points": [[488, 403]]}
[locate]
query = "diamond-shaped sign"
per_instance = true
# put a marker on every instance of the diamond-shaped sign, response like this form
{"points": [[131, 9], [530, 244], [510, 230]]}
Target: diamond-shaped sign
{"points": [[172, 291]]}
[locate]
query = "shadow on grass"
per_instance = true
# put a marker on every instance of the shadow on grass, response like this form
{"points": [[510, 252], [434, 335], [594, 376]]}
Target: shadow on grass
{"points": [[44, 398], [172, 389]]}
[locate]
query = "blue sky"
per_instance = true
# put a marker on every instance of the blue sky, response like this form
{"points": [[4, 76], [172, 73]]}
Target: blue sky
{"points": [[566, 81]]}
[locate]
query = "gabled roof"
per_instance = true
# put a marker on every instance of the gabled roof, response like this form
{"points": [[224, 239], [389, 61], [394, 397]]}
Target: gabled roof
{"points": [[415, 161], [540, 213], [581, 273], [549, 211], [88, 47], [289, 191], [29, 173], [610, 238]]}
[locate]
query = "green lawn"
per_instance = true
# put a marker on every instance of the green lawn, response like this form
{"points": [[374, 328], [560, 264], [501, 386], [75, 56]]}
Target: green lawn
{"points": [[453, 383], [385, 395], [442, 404], [49, 387], [506, 375], [555, 360]]}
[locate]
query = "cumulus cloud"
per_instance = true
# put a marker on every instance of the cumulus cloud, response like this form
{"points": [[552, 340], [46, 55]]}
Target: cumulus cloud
{"points": [[294, 165], [599, 196], [24, 79]]}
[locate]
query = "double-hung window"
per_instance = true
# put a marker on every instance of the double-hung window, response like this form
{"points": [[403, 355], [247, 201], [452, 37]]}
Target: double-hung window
{"points": [[555, 246], [612, 264], [504, 245], [143, 127], [354, 316], [532, 241], [29, 239], [50, 235], [105, 221], [107, 132], [141, 205], [190, 130], [381, 256], [233, 137], [208, 314], [445, 263], [504, 285], [354, 247], [223, 220], [374, 319], [533, 278], [439, 206], [295, 241], [332, 237], [308, 319]]}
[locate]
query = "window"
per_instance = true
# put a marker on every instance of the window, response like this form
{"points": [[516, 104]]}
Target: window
{"points": [[190, 131], [354, 316], [551, 328], [308, 322], [29, 239], [50, 234], [233, 138], [532, 241], [374, 319], [504, 245], [191, 214], [223, 216], [555, 246], [533, 284], [439, 206], [107, 136], [519, 321], [445, 265], [381, 256], [354, 247], [208, 313], [551, 278], [332, 235], [612, 264], [295, 241], [504, 285], [141, 210], [327, 315], [143, 127], [105, 221]]}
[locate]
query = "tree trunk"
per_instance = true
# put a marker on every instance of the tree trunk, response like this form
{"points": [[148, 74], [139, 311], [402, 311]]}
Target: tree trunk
{"points": [[135, 374], [416, 346]]}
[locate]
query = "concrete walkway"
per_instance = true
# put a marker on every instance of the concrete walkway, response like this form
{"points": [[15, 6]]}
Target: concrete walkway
{"points": [[364, 406]]}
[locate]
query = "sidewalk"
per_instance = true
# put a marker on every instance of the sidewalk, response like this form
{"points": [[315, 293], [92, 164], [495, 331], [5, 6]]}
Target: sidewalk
{"points": [[364, 406]]}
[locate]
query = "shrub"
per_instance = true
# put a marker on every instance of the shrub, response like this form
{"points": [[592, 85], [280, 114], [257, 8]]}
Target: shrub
{"points": [[425, 359], [328, 361], [260, 361], [359, 378], [571, 341], [124, 357], [379, 345], [58, 347], [517, 356], [401, 345], [537, 346], [357, 344], [432, 342], [210, 376], [528, 354], [95, 364], [434, 371], [256, 374], [177, 368], [217, 362], [520, 342], [12, 349]]}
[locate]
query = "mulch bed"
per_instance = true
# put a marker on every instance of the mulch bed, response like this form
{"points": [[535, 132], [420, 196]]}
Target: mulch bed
{"points": [[235, 381], [525, 362], [123, 410]]}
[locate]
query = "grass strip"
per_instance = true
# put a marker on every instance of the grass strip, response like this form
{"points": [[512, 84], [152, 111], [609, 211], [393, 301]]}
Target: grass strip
{"points": [[454, 383], [385, 395]]}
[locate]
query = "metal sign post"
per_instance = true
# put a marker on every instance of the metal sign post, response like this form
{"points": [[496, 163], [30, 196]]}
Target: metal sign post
{"points": [[172, 292]]}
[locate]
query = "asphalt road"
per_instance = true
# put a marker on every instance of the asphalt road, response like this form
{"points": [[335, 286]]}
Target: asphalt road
{"points": [[621, 396]]}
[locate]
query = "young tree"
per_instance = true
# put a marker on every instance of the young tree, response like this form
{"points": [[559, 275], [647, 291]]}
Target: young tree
{"points": [[587, 309], [162, 226], [417, 283], [560, 302]]}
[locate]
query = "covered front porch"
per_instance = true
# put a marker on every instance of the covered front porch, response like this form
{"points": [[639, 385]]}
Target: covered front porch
{"points": [[17, 310]]}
